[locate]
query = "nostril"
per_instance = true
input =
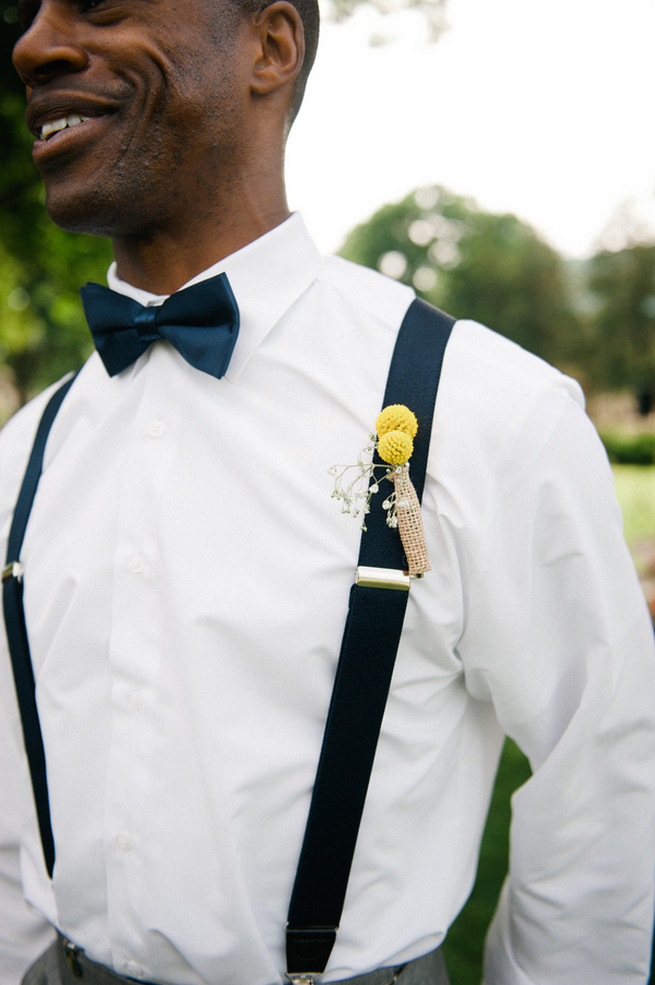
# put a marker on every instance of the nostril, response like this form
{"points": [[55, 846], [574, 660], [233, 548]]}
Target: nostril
{"points": [[41, 73], [57, 66], [36, 71], [47, 49]]}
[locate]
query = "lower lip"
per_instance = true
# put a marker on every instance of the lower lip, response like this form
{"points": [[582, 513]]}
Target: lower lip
{"points": [[64, 141]]}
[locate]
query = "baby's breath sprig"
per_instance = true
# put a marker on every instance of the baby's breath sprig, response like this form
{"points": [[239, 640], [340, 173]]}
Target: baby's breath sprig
{"points": [[355, 485]]}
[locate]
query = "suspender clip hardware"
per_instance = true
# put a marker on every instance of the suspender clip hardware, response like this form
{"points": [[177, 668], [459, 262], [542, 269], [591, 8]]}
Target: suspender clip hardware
{"points": [[71, 953], [13, 570], [383, 578], [305, 978]]}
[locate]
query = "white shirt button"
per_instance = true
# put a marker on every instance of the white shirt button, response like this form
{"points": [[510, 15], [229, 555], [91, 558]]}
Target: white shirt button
{"points": [[137, 564], [134, 701], [123, 844], [133, 970], [156, 428]]}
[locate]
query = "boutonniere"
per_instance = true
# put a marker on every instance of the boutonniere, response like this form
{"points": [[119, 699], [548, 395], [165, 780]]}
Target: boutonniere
{"points": [[355, 485]]}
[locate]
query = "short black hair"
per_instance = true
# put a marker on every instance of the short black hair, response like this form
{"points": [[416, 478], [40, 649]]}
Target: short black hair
{"points": [[309, 14]]}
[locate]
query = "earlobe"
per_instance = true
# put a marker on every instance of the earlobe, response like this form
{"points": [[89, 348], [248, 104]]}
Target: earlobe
{"points": [[281, 47]]}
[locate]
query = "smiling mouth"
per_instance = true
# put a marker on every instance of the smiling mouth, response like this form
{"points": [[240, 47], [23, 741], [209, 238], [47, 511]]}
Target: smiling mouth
{"points": [[48, 129]]}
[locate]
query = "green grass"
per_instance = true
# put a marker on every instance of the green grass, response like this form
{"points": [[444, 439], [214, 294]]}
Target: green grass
{"points": [[635, 487], [465, 941]]}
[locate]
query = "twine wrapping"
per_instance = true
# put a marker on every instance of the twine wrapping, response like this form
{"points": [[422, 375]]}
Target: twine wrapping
{"points": [[410, 523]]}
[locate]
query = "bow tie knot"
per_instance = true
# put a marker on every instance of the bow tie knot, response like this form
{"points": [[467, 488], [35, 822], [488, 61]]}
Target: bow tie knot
{"points": [[145, 322], [201, 322]]}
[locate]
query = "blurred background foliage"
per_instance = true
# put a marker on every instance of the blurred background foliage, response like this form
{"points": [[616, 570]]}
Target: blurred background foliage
{"points": [[594, 319], [622, 284], [492, 268]]}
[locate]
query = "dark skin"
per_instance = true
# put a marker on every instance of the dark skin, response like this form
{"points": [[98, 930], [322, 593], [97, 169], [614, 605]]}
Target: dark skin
{"points": [[181, 159]]}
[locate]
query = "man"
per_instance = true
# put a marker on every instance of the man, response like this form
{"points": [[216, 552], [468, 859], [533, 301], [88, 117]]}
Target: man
{"points": [[186, 572]]}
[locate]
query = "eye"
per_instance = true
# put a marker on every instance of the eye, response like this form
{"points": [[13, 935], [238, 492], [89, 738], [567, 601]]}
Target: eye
{"points": [[85, 5], [101, 11]]}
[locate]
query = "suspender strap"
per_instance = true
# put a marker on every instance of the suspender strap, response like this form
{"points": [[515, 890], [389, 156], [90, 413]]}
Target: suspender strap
{"points": [[12, 596], [363, 676]]}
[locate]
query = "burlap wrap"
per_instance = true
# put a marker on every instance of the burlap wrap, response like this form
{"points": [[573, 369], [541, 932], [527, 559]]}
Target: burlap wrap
{"points": [[410, 523]]}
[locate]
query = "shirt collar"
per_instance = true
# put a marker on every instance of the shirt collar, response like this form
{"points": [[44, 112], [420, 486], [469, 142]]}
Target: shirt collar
{"points": [[267, 277]]}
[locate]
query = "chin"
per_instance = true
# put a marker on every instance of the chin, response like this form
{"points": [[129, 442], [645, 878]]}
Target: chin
{"points": [[86, 212], [75, 211]]}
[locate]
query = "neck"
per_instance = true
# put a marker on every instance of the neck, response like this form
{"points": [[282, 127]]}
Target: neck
{"points": [[167, 256]]}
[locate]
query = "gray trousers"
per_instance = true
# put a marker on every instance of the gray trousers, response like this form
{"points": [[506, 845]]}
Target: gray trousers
{"points": [[55, 968]]}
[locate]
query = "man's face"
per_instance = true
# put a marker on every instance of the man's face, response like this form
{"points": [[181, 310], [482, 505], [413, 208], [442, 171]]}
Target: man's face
{"points": [[137, 107]]}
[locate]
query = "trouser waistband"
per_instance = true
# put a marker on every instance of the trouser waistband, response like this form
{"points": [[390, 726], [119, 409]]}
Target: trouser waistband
{"points": [[74, 968]]}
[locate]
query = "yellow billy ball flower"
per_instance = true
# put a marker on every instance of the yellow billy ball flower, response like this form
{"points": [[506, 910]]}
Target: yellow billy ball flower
{"points": [[395, 447], [396, 417]]}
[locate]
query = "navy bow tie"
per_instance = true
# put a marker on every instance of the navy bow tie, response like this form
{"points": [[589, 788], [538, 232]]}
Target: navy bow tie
{"points": [[201, 321]]}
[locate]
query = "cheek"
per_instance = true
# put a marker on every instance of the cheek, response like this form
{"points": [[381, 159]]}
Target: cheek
{"points": [[145, 71], [183, 100]]}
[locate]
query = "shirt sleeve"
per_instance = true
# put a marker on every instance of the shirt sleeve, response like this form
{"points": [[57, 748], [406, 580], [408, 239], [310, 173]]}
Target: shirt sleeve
{"points": [[559, 639]]}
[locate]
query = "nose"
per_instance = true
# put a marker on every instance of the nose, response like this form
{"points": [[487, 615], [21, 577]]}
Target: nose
{"points": [[50, 46]]}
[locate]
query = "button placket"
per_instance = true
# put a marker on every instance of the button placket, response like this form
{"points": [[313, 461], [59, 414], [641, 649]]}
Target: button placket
{"points": [[135, 654]]}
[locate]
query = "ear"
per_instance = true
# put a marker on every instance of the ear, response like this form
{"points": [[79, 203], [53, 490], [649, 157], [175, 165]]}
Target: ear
{"points": [[281, 47]]}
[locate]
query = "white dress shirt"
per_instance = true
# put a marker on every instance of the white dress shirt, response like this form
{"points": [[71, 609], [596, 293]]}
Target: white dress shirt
{"points": [[186, 584]]}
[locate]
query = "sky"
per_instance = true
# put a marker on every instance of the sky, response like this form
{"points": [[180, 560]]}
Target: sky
{"points": [[543, 108]]}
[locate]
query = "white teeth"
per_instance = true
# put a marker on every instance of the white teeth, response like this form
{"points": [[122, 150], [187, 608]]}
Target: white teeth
{"points": [[54, 126]]}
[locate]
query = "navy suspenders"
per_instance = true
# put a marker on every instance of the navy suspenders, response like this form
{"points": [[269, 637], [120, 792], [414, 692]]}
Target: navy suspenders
{"points": [[19, 649], [363, 676], [368, 652]]}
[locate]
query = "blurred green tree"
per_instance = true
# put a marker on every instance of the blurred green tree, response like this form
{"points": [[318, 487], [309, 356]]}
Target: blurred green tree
{"points": [[622, 284], [492, 268]]}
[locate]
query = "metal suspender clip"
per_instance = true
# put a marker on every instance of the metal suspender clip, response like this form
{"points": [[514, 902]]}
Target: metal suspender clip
{"points": [[13, 570], [308, 947], [72, 953], [384, 578]]}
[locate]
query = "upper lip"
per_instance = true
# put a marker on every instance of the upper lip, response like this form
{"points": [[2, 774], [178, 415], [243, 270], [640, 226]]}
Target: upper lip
{"points": [[46, 107]]}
